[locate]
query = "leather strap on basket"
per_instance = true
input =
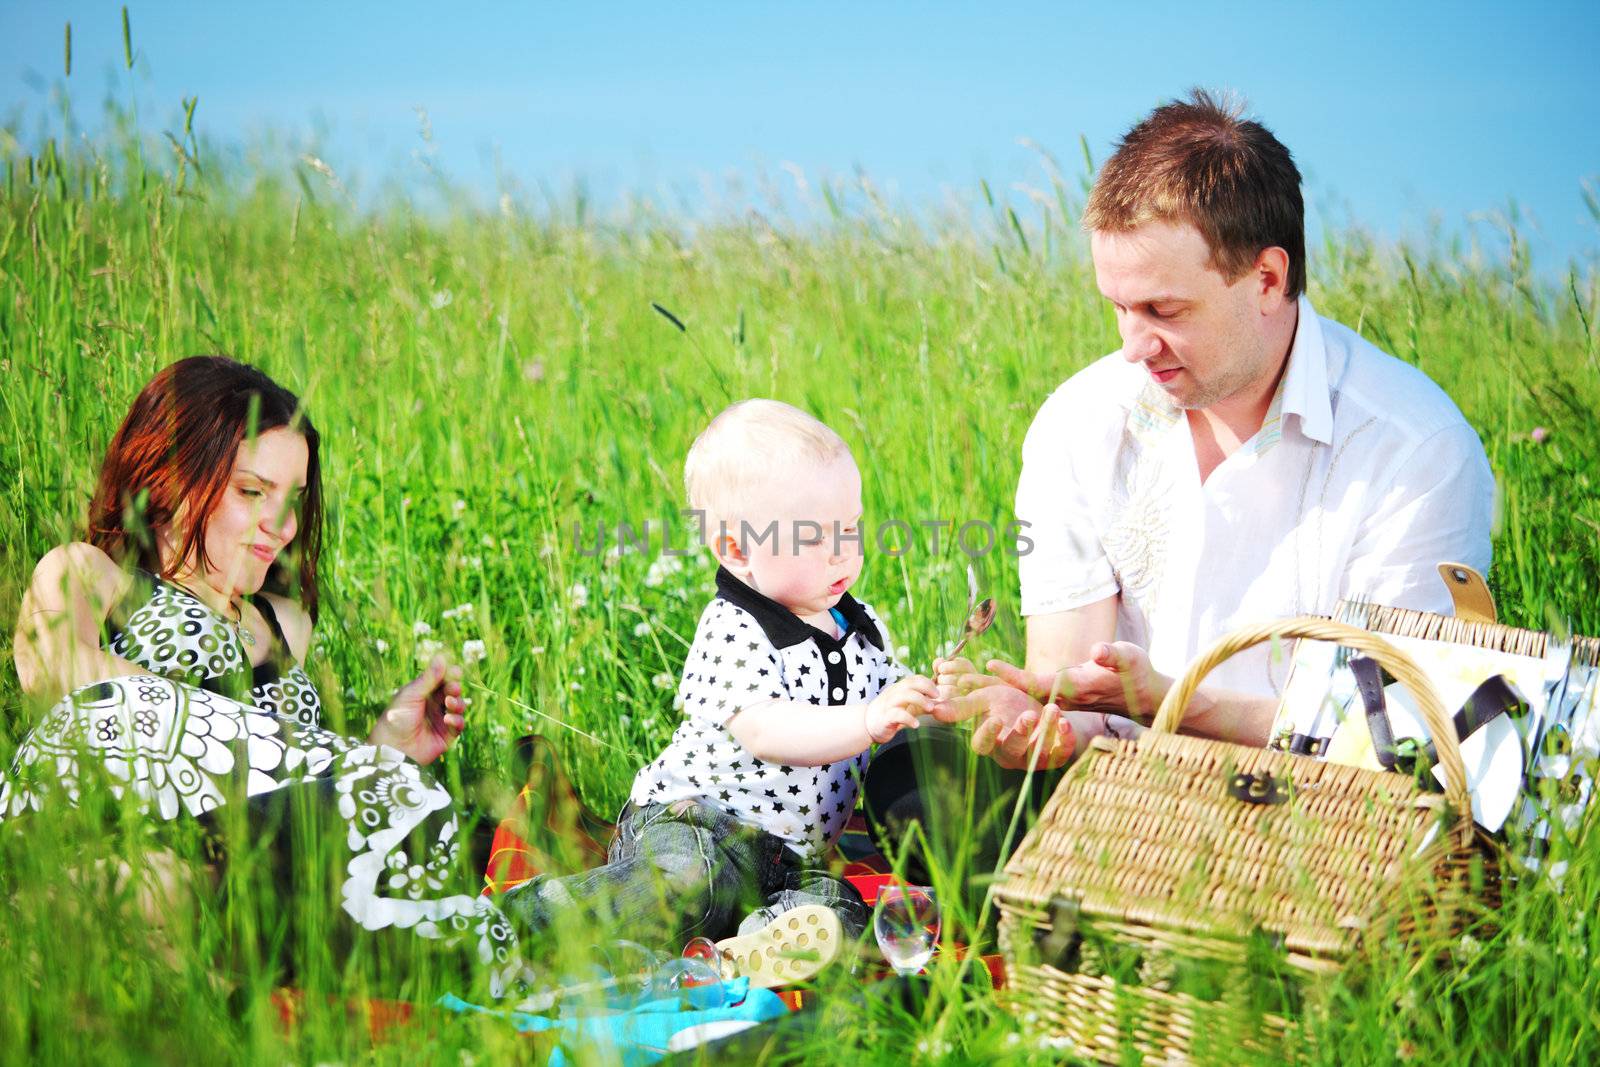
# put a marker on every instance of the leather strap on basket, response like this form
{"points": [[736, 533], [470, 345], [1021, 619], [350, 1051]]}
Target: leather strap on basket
{"points": [[1493, 698], [1391, 659], [1369, 685]]}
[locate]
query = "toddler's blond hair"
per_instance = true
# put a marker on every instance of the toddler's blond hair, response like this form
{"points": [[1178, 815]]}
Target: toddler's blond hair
{"points": [[739, 451]]}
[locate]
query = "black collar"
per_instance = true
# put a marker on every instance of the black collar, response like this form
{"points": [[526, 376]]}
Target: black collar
{"points": [[783, 627]]}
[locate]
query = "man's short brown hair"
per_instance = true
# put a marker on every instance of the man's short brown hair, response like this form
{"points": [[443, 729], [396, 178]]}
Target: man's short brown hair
{"points": [[1198, 161]]}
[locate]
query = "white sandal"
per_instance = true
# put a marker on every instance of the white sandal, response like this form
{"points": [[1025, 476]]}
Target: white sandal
{"points": [[791, 948]]}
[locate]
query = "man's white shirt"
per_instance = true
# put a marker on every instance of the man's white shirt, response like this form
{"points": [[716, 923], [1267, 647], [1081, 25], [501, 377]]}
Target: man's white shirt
{"points": [[1363, 477]]}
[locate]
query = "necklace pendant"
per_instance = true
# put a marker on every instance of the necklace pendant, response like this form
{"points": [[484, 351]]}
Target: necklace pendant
{"points": [[246, 636]]}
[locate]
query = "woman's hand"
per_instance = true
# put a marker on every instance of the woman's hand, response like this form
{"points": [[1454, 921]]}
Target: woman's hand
{"points": [[426, 715]]}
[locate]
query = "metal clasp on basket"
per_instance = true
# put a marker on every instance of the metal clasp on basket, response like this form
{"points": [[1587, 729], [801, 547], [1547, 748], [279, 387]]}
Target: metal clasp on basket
{"points": [[1258, 789]]}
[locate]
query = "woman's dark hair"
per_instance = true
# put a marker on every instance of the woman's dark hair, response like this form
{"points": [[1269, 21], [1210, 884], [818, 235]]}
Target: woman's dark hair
{"points": [[177, 447]]}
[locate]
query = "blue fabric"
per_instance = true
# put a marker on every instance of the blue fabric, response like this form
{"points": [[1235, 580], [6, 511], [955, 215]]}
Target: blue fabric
{"points": [[639, 1035], [838, 617]]}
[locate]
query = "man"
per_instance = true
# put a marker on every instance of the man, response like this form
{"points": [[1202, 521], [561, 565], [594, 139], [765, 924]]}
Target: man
{"points": [[1240, 459]]}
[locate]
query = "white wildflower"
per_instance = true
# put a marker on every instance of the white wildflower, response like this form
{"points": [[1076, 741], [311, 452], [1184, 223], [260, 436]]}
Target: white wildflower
{"points": [[576, 687], [459, 507], [536, 650], [624, 722], [442, 299], [473, 652], [427, 648], [488, 541], [581, 669], [662, 681], [578, 594], [903, 652], [466, 702], [660, 568], [641, 629], [420, 629], [381, 646], [475, 562]]}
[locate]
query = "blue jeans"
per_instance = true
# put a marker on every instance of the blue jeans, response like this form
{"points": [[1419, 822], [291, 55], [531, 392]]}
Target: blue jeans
{"points": [[682, 870]]}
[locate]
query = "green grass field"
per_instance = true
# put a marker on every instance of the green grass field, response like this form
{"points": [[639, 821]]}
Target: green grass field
{"points": [[486, 379]]}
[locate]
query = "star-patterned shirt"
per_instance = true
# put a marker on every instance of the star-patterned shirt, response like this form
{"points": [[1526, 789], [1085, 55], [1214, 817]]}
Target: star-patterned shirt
{"points": [[749, 650]]}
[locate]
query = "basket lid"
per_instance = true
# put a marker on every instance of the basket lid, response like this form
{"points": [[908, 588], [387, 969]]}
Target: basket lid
{"points": [[1191, 834]]}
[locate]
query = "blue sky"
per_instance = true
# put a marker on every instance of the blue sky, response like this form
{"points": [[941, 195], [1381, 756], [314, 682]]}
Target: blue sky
{"points": [[1401, 115]]}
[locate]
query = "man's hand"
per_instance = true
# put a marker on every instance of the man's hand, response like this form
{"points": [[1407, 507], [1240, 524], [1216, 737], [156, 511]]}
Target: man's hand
{"points": [[965, 692], [1117, 677], [426, 715], [898, 706], [1018, 733]]}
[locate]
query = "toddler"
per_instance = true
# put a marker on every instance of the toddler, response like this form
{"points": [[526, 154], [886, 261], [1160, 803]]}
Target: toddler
{"points": [[789, 683]]}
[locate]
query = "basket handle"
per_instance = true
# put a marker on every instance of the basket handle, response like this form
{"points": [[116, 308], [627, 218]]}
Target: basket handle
{"points": [[1397, 663]]}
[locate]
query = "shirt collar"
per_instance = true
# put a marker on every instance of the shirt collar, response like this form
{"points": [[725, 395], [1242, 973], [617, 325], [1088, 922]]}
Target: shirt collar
{"points": [[1304, 390], [783, 627]]}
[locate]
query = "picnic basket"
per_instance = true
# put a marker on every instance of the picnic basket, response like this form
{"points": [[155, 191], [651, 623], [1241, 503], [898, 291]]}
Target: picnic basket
{"points": [[1533, 775], [1176, 893]]}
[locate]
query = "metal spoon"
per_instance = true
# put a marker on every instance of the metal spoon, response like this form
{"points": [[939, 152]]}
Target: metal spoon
{"points": [[979, 616]]}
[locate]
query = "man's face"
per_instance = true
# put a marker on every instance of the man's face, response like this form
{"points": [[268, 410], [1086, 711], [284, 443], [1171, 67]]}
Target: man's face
{"points": [[1200, 337]]}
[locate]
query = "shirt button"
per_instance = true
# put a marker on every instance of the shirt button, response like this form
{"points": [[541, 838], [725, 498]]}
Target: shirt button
{"points": [[833, 657], [838, 694]]}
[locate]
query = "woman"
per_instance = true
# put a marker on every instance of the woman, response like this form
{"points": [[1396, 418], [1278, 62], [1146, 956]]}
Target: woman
{"points": [[174, 635]]}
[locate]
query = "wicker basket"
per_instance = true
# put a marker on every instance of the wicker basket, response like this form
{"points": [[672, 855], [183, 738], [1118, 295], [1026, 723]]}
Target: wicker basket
{"points": [[1176, 892]]}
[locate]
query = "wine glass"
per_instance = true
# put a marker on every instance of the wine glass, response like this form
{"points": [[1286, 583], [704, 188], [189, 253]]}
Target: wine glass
{"points": [[907, 927]]}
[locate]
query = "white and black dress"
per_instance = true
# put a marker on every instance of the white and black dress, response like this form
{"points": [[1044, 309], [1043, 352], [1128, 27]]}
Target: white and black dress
{"points": [[206, 727]]}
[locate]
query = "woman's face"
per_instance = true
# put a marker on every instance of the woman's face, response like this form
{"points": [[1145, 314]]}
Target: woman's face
{"points": [[257, 516]]}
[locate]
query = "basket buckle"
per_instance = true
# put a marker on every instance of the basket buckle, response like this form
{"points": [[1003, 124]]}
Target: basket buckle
{"points": [[1258, 789]]}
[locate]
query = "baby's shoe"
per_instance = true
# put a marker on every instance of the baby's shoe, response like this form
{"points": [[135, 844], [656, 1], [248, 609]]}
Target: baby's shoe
{"points": [[791, 948]]}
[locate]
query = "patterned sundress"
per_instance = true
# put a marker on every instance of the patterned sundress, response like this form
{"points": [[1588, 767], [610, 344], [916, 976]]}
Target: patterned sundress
{"points": [[206, 725]]}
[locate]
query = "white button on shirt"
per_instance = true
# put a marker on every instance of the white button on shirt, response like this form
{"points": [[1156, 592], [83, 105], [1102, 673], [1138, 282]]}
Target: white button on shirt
{"points": [[1363, 477]]}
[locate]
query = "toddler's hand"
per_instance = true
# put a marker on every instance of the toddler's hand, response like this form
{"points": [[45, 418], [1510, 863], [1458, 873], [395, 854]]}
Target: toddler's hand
{"points": [[957, 677], [898, 707]]}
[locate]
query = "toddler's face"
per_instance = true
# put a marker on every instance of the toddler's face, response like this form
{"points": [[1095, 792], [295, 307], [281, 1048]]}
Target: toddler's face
{"points": [[816, 553]]}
